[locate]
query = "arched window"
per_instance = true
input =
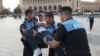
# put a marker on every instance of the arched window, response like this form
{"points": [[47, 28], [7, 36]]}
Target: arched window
{"points": [[45, 8], [50, 8], [35, 8], [55, 8], [30, 7], [59, 6], [40, 8]]}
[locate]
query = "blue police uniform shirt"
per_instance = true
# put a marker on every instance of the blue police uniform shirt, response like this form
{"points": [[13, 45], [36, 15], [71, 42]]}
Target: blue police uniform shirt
{"points": [[29, 24], [91, 17], [73, 35], [72, 24], [53, 27]]}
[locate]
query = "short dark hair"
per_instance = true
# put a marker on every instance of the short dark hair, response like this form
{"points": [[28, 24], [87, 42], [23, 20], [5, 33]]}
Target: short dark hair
{"points": [[40, 15], [28, 11], [65, 9], [49, 14]]}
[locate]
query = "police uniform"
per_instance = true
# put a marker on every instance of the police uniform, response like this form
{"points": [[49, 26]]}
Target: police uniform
{"points": [[91, 21], [73, 35], [29, 25], [59, 50]]}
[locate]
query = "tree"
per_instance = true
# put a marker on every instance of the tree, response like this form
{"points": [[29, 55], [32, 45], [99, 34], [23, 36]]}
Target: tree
{"points": [[4, 11], [17, 10]]}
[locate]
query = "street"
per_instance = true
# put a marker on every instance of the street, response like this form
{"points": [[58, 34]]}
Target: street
{"points": [[10, 44]]}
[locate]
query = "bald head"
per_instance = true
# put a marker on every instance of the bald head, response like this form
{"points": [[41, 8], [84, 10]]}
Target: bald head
{"points": [[65, 13]]}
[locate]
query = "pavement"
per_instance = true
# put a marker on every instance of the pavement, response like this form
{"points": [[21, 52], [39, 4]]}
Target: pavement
{"points": [[10, 44]]}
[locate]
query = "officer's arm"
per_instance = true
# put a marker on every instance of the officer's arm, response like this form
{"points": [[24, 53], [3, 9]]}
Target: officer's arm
{"points": [[36, 24], [59, 38], [22, 26], [54, 43]]}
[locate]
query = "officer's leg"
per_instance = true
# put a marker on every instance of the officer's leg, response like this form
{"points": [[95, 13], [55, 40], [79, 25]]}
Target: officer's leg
{"points": [[90, 25], [92, 22], [27, 49], [60, 51], [51, 52]]}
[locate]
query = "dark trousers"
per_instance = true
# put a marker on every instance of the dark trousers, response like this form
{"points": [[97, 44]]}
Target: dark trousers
{"points": [[27, 49], [59, 51], [91, 24], [29, 52], [33, 41], [51, 52]]}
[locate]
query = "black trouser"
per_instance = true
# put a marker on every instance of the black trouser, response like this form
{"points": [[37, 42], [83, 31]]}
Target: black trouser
{"points": [[91, 24], [51, 52], [29, 52], [59, 51], [27, 49]]}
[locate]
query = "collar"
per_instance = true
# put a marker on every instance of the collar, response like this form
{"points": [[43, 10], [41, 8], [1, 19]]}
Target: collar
{"points": [[27, 19], [52, 24], [68, 19], [30, 20]]}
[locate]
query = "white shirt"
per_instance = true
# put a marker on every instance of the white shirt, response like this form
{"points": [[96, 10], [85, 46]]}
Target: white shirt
{"points": [[42, 28]]}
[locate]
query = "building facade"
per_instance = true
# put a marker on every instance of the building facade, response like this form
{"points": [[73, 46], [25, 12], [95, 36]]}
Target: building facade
{"points": [[46, 5], [54, 5], [91, 6]]}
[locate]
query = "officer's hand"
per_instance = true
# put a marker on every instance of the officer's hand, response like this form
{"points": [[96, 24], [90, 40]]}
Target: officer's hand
{"points": [[38, 24], [23, 26], [53, 43]]}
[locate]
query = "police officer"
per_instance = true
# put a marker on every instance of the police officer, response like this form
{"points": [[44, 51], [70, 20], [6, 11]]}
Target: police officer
{"points": [[72, 34], [52, 27], [28, 23], [91, 20]]}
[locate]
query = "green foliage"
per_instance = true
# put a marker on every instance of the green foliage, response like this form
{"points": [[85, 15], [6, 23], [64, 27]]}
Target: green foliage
{"points": [[4, 11], [17, 10]]}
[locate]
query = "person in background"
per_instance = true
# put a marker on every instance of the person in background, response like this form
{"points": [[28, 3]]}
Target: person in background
{"points": [[91, 20]]}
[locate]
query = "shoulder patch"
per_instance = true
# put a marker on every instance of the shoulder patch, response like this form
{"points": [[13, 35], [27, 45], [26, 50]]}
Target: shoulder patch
{"points": [[71, 25]]}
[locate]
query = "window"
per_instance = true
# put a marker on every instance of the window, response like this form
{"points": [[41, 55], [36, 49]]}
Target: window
{"points": [[30, 7], [55, 8], [35, 8], [45, 8], [59, 6], [50, 8], [40, 8]]}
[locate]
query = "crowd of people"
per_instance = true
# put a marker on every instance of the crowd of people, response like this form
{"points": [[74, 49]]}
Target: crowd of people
{"points": [[66, 38]]}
